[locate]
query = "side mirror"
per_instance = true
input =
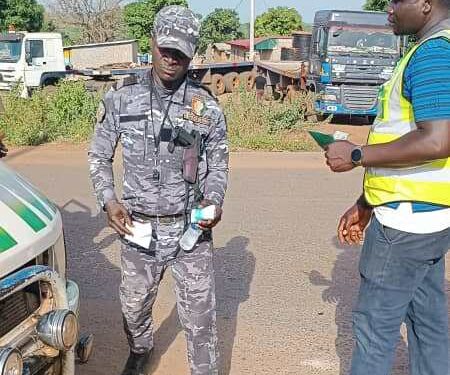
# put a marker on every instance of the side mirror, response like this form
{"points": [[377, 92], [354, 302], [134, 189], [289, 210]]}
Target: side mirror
{"points": [[28, 57]]}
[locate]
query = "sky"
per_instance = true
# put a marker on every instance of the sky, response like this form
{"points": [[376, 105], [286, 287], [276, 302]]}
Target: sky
{"points": [[306, 8]]}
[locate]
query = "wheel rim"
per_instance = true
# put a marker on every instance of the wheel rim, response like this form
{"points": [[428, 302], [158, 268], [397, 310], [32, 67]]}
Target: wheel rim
{"points": [[220, 87], [236, 83]]}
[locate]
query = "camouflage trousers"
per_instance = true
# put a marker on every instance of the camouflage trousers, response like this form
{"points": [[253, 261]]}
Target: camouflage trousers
{"points": [[142, 271]]}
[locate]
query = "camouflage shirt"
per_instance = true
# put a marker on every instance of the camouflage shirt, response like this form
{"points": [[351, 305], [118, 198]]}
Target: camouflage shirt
{"points": [[130, 116]]}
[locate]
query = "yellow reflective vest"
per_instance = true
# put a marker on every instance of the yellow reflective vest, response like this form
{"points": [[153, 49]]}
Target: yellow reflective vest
{"points": [[429, 182]]}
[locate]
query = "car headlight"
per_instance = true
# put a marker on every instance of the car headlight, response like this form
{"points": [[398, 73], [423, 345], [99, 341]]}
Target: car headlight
{"points": [[338, 68], [11, 362], [58, 329]]}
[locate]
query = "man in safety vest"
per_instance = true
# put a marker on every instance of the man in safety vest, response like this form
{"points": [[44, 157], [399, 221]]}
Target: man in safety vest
{"points": [[406, 198]]}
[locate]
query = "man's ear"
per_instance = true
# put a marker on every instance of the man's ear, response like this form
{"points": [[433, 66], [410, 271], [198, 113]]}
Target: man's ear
{"points": [[428, 6]]}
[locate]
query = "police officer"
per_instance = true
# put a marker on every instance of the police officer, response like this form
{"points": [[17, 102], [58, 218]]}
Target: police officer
{"points": [[155, 118]]}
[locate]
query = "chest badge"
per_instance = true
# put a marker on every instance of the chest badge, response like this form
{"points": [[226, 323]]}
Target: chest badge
{"points": [[198, 106], [197, 111]]}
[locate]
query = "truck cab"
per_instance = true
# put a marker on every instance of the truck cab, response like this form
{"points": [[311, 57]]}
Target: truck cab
{"points": [[31, 59], [352, 54], [39, 306]]}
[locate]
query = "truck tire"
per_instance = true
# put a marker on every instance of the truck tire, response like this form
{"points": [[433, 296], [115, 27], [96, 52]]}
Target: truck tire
{"points": [[232, 81], [248, 80], [217, 84]]}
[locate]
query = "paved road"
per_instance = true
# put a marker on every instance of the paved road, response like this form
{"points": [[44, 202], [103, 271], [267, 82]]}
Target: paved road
{"points": [[284, 286]]}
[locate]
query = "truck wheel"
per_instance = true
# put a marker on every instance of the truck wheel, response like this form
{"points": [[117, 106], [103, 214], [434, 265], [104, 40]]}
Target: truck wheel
{"points": [[232, 81], [248, 80], [217, 84]]}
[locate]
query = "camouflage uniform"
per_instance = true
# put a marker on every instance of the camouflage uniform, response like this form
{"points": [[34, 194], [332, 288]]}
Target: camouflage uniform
{"points": [[153, 185]]}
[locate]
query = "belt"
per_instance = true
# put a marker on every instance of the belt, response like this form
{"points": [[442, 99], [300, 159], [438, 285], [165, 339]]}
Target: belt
{"points": [[164, 219]]}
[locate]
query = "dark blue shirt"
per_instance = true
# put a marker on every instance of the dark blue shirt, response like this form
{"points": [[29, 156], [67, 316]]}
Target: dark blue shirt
{"points": [[427, 87]]}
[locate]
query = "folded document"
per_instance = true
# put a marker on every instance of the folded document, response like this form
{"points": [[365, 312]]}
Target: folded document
{"points": [[142, 234]]}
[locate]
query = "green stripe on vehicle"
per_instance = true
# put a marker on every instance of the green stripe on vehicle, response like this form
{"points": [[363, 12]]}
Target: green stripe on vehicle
{"points": [[6, 241], [25, 213], [23, 189]]}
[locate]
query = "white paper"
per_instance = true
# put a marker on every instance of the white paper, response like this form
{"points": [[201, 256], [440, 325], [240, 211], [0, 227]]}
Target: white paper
{"points": [[142, 234], [205, 213]]}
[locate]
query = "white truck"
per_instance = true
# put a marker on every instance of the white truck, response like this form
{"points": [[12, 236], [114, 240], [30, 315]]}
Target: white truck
{"points": [[31, 59], [38, 305]]}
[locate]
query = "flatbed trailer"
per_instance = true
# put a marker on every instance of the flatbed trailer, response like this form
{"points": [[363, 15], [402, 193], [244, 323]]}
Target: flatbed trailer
{"points": [[219, 77], [224, 77], [283, 77]]}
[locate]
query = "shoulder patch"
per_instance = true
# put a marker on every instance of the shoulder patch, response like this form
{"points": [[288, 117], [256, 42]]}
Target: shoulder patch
{"points": [[127, 81]]}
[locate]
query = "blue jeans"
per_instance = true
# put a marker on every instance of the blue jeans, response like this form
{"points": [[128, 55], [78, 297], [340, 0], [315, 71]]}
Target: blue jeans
{"points": [[402, 280]]}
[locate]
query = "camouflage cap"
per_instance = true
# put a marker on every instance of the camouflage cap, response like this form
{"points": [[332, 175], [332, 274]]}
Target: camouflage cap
{"points": [[177, 27]]}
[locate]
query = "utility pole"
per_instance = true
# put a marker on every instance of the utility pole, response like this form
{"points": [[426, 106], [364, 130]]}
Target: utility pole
{"points": [[252, 30]]}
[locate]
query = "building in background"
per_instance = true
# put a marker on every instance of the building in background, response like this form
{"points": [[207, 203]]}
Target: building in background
{"points": [[267, 48], [99, 55]]}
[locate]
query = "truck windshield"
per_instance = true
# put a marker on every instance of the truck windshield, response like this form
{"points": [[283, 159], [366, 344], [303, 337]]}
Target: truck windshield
{"points": [[346, 39], [10, 51]]}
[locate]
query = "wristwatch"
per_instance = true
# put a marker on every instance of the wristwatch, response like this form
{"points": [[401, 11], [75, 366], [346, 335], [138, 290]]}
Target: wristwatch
{"points": [[357, 155]]}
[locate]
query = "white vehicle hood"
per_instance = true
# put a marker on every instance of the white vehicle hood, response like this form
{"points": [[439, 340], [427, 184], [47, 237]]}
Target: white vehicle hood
{"points": [[29, 222]]}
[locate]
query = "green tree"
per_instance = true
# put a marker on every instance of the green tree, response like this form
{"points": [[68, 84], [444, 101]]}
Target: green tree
{"points": [[278, 21], [139, 18], [378, 5], [22, 14], [219, 26]]}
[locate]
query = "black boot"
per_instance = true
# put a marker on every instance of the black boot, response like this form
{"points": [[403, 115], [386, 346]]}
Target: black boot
{"points": [[138, 364]]}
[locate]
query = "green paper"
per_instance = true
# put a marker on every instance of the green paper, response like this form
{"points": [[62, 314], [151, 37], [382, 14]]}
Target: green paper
{"points": [[322, 139]]}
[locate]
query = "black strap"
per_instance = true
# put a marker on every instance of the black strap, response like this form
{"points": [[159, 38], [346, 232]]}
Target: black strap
{"points": [[162, 107], [129, 118]]}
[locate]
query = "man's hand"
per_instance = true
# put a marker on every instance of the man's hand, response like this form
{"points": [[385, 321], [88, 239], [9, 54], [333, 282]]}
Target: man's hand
{"points": [[353, 223], [339, 156], [3, 149], [118, 217], [209, 224]]}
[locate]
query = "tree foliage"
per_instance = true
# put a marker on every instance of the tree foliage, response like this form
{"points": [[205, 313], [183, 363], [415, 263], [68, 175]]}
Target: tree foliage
{"points": [[219, 26], [25, 15], [278, 21], [96, 21], [139, 17], [377, 5]]}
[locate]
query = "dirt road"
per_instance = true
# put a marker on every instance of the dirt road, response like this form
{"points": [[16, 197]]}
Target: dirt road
{"points": [[284, 285]]}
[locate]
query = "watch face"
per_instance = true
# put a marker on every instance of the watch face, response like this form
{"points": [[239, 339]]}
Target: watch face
{"points": [[356, 155]]}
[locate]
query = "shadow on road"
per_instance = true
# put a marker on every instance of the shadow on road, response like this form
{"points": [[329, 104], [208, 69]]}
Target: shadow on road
{"points": [[234, 266], [342, 290], [352, 120]]}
